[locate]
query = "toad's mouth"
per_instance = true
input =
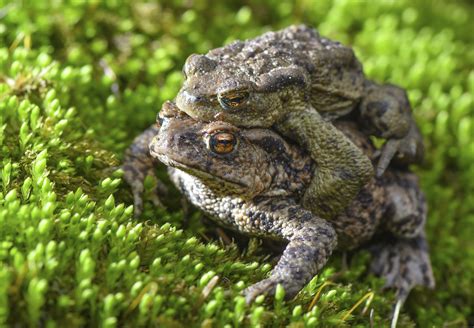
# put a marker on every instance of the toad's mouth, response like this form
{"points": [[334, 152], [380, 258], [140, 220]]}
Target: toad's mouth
{"points": [[196, 171], [201, 108]]}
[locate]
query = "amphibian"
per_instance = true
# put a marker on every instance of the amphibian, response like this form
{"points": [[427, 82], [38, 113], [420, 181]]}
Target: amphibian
{"points": [[253, 181], [296, 81]]}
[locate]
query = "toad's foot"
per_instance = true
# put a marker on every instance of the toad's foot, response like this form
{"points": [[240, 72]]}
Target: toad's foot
{"points": [[135, 173], [385, 112], [404, 263], [138, 164], [264, 287], [404, 151]]}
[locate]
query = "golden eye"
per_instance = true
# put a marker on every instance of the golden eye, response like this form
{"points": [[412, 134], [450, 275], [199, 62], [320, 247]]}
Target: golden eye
{"points": [[222, 142], [232, 100]]}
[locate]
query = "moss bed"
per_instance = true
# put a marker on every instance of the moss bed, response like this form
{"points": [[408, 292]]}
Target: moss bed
{"points": [[80, 79]]}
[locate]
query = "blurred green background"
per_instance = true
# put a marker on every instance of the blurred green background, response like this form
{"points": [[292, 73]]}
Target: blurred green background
{"points": [[80, 79]]}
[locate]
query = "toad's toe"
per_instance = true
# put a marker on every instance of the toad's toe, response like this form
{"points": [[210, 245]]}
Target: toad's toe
{"points": [[267, 286], [404, 263]]}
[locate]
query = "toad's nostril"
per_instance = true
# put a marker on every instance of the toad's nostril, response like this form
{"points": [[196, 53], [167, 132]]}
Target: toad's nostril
{"points": [[185, 100], [195, 99], [159, 121]]}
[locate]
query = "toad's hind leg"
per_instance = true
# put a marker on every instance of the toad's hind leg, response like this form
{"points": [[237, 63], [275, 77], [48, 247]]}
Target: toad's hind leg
{"points": [[407, 203], [404, 259], [342, 168], [404, 264]]}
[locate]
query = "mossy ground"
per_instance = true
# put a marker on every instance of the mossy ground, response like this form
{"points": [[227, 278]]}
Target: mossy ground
{"points": [[78, 80]]}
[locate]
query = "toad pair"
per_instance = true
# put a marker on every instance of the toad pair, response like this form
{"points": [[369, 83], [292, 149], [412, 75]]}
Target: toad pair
{"points": [[313, 183]]}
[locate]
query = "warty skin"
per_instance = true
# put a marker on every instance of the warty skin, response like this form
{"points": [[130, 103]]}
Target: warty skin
{"points": [[296, 81], [257, 189]]}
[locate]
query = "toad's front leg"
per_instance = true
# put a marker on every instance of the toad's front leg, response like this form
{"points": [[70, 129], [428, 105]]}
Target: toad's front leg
{"points": [[137, 165], [311, 242], [342, 167], [386, 112]]}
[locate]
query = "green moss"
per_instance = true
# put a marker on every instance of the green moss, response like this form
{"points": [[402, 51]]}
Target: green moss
{"points": [[78, 81]]}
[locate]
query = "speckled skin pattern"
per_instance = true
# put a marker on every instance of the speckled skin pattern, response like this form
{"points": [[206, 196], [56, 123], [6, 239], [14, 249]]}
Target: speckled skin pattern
{"points": [[258, 188], [294, 80]]}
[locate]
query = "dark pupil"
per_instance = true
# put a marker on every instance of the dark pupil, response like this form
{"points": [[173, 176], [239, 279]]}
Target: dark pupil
{"points": [[223, 143], [235, 100]]}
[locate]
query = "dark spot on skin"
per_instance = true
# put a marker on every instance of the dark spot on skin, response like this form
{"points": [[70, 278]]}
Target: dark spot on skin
{"points": [[339, 72], [354, 78], [400, 109], [378, 108], [307, 65], [270, 145], [292, 212], [344, 174], [282, 78], [274, 206], [186, 138], [285, 98], [408, 223], [306, 217], [326, 232], [324, 207], [365, 198]]}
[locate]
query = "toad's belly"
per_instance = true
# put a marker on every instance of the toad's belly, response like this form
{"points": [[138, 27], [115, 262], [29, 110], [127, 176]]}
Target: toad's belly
{"points": [[229, 211], [355, 226]]}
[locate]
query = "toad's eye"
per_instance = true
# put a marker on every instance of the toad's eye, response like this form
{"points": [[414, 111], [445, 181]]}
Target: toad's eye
{"points": [[222, 143], [231, 100]]}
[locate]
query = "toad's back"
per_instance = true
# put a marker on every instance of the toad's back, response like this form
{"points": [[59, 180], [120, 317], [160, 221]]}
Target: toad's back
{"points": [[335, 73]]}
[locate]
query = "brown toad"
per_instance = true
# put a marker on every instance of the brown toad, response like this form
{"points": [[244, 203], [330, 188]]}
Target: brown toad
{"points": [[253, 181], [295, 81]]}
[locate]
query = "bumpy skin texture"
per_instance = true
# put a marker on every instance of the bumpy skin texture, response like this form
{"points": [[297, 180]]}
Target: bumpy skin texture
{"points": [[257, 189], [284, 79]]}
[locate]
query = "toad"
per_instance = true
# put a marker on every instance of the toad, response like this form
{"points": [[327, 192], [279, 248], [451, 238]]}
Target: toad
{"points": [[253, 181], [297, 82]]}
